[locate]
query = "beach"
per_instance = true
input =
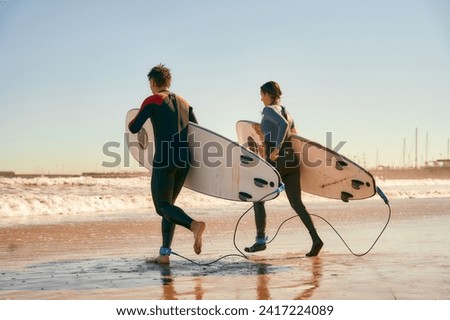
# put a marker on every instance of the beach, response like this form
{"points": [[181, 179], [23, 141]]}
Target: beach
{"points": [[103, 255]]}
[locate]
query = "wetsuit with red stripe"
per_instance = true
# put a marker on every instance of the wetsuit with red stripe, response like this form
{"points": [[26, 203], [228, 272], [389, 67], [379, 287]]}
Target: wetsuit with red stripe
{"points": [[170, 115]]}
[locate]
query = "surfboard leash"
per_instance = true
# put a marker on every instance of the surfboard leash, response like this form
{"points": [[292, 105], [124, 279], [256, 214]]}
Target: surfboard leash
{"points": [[279, 190], [386, 201], [241, 254]]}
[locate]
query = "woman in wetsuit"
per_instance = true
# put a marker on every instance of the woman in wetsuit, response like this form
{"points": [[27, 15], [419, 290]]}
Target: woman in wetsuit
{"points": [[170, 115], [277, 125]]}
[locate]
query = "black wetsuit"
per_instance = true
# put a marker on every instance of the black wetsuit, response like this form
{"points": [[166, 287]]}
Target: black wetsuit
{"points": [[170, 115], [276, 125]]}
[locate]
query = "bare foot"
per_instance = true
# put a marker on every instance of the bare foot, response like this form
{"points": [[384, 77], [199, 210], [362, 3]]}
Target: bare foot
{"points": [[159, 259], [197, 228]]}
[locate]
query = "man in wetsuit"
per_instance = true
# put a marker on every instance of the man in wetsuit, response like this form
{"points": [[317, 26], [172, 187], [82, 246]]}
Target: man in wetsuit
{"points": [[170, 115]]}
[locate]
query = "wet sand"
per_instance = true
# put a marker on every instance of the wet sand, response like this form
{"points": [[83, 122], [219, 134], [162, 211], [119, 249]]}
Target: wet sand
{"points": [[106, 258]]}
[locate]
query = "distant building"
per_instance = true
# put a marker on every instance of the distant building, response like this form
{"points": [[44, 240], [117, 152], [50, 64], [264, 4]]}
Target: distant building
{"points": [[7, 174], [443, 163]]}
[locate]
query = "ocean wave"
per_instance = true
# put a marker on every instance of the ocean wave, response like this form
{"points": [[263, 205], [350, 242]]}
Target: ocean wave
{"points": [[50, 196], [420, 188]]}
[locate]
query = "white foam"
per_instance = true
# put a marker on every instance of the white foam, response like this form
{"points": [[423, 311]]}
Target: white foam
{"points": [[420, 188], [45, 196]]}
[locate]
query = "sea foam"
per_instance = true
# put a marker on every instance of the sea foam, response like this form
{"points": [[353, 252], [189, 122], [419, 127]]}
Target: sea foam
{"points": [[41, 196]]}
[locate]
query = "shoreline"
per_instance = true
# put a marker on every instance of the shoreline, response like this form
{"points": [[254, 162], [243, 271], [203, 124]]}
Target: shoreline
{"points": [[106, 259], [411, 173], [430, 172]]}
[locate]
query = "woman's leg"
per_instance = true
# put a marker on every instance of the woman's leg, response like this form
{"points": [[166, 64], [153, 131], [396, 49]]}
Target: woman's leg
{"points": [[293, 192], [260, 222]]}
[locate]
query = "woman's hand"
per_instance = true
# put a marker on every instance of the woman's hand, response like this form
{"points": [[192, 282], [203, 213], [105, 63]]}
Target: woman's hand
{"points": [[274, 155]]}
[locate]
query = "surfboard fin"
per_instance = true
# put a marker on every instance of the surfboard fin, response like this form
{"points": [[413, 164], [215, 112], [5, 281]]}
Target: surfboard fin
{"points": [[244, 196], [252, 145], [143, 138], [345, 196], [356, 184], [246, 159], [340, 164], [260, 182]]}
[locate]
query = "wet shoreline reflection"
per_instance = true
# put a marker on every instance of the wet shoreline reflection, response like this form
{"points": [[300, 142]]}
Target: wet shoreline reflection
{"points": [[265, 275]]}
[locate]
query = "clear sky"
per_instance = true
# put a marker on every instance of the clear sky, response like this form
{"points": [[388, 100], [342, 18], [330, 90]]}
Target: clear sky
{"points": [[370, 72]]}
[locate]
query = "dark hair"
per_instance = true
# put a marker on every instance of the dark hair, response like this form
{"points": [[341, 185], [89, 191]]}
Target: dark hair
{"points": [[161, 75], [272, 89]]}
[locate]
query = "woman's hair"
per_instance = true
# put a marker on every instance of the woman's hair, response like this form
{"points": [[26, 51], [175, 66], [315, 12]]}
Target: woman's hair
{"points": [[161, 75], [273, 90]]}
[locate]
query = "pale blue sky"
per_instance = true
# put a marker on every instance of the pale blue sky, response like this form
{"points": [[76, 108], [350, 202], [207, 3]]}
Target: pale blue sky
{"points": [[370, 72]]}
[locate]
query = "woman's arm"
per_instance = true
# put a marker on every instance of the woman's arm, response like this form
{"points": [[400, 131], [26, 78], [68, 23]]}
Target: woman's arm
{"points": [[275, 127]]}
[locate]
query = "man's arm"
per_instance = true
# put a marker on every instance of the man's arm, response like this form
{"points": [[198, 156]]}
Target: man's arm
{"points": [[144, 113]]}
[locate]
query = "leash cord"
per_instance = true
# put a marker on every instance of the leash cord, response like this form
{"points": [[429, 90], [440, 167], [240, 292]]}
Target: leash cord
{"points": [[386, 201], [242, 255]]}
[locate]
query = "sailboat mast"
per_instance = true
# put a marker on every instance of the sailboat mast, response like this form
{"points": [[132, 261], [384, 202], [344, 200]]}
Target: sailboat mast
{"points": [[417, 133]]}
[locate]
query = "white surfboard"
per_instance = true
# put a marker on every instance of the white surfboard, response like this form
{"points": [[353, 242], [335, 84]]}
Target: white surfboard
{"points": [[324, 172], [219, 167]]}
